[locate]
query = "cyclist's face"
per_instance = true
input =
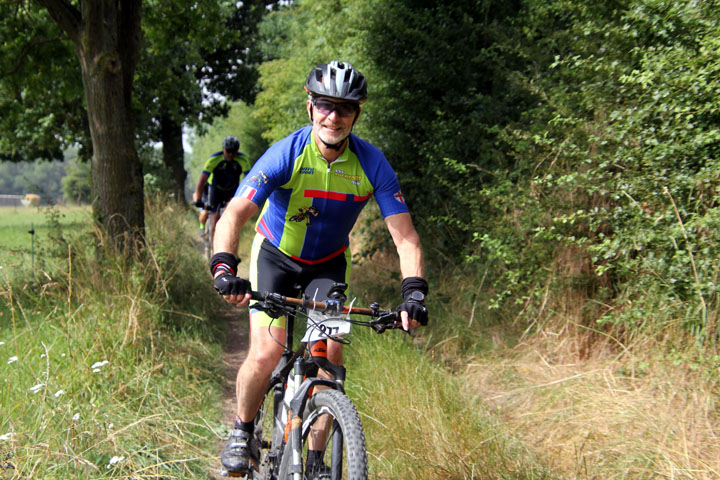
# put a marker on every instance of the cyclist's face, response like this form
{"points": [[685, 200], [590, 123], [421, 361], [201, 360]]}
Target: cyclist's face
{"points": [[332, 127], [228, 154]]}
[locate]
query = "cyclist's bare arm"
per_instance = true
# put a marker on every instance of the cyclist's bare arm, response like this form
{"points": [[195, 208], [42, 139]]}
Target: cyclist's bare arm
{"points": [[407, 243], [227, 234], [197, 194], [409, 251]]}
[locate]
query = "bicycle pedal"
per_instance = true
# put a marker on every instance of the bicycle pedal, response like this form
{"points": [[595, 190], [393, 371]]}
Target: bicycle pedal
{"points": [[225, 473]]}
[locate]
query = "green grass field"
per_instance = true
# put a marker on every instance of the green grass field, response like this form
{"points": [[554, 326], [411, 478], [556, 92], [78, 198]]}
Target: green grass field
{"points": [[17, 222]]}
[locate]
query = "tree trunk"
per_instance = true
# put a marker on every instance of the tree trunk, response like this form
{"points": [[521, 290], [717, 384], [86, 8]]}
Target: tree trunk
{"points": [[106, 35], [173, 155]]}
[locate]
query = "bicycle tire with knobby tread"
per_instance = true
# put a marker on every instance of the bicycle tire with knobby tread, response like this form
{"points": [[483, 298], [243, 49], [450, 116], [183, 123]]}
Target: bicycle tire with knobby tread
{"points": [[346, 415]]}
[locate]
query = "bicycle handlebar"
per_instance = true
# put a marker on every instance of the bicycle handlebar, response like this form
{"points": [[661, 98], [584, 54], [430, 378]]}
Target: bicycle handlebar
{"points": [[383, 319], [312, 304]]}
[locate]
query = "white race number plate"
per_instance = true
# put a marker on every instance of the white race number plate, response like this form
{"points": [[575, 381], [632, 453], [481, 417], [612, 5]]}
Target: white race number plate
{"points": [[318, 328]]}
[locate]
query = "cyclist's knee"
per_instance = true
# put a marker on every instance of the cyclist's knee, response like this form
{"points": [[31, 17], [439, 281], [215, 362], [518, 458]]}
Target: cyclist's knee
{"points": [[264, 355], [335, 352]]}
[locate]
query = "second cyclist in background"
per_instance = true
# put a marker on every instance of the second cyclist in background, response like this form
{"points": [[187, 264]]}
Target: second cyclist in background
{"points": [[221, 175]]}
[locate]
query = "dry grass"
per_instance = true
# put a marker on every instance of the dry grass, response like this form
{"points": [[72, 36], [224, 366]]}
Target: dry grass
{"points": [[608, 416]]}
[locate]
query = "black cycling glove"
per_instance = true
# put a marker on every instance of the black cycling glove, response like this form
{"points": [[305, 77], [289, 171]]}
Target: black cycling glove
{"points": [[416, 310], [413, 291], [228, 284]]}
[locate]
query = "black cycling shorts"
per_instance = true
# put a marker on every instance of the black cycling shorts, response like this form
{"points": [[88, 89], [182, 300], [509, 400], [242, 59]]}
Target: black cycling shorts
{"points": [[273, 271], [218, 197]]}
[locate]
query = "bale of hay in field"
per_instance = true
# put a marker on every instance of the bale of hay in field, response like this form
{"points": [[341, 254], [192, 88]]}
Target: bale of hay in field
{"points": [[31, 200]]}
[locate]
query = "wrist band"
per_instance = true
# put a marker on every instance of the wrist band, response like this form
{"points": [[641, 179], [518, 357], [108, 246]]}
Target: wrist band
{"points": [[413, 283], [225, 261]]}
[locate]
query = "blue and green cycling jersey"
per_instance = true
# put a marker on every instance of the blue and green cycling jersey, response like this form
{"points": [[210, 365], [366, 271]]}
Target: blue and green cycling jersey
{"points": [[310, 206], [224, 174]]}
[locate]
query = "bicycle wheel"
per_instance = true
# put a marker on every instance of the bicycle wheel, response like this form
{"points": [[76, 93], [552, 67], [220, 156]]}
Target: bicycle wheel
{"points": [[332, 415], [208, 238], [267, 438]]}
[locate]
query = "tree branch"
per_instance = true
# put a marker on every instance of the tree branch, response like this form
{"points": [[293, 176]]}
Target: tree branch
{"points": [[65, 15], [27, 48]]}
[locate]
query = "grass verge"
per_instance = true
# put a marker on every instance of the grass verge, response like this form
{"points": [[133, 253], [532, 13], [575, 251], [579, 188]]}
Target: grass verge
{"points": [[109, 368]]}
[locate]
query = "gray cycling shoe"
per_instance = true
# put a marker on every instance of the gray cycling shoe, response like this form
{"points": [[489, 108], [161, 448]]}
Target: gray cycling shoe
{"points": [[235, 457], [319, 471]]}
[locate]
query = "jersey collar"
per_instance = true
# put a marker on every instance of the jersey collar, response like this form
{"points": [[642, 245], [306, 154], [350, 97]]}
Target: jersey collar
{"points": [[344, 156]]}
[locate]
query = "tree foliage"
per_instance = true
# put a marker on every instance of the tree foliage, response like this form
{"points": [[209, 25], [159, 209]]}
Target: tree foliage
{"points": [[558, 146], [619, 161], [36, 58]]}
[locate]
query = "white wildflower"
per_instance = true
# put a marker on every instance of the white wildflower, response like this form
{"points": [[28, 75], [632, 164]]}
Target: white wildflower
{"points": [[37, 387], [110, 426], [59, 392], [114, 460], [42, 356], [6, 437], [2, 343], [98, 365], [76, 417], [12, 360]]}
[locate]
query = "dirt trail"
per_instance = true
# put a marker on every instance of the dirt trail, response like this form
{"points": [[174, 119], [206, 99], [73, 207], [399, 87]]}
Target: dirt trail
{"points": [[234, 352]]}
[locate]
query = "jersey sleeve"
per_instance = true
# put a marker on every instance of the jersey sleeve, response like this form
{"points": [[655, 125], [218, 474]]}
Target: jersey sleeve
{"points": [[386, 187], [273, 169], [244, 162], [212, 162]]}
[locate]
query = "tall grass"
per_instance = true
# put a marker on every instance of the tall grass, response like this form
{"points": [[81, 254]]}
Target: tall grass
{"points": [[604, 401], [419, 420], [109, 368]]}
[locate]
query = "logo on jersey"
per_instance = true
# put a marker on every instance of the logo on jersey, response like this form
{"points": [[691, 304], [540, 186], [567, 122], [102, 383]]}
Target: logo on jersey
{"points": [[258, 179], [305, 214], [248, 192], [354, 179], [307, 170], [399, 197]]}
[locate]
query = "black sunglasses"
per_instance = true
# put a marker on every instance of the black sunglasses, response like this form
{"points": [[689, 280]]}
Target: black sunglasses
{"points": [[326, 107]]}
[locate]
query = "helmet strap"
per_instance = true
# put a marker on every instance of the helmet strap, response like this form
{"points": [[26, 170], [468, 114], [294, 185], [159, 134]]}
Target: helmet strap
{"points": [[331, 146]]}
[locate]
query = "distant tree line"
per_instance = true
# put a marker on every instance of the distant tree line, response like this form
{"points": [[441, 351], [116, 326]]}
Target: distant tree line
{"points": [[66, 181]]}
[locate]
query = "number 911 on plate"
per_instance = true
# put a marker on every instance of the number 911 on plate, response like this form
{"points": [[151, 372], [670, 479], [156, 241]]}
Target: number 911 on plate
{"points": [[319, 327]]}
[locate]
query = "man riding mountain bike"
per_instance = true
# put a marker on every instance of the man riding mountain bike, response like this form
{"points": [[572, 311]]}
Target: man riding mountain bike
{"points": [[311, 186], [220, 178]]}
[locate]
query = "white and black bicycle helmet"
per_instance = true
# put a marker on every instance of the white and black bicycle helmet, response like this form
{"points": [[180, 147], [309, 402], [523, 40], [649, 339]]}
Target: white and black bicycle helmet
{"points": [[337, 80], [231, 144]]}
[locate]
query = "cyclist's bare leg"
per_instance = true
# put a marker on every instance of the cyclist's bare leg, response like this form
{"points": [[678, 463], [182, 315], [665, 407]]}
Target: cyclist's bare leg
{"points": [[203, 217], [321, 428], [214, 217], [254, 374]]}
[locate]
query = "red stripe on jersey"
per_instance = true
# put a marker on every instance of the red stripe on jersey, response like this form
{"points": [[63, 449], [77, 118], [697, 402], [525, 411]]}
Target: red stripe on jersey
{"points": [[358, 198], [320, 260], [248, 192], [263, 230], [323, 194]]}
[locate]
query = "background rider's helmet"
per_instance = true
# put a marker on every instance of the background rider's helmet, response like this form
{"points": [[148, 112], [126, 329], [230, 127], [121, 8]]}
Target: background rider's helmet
{"points": [[337, 80], [231, 144]]}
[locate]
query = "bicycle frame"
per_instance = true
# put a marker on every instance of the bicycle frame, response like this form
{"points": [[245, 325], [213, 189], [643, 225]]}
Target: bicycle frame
{"points": [[283, 458]]}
